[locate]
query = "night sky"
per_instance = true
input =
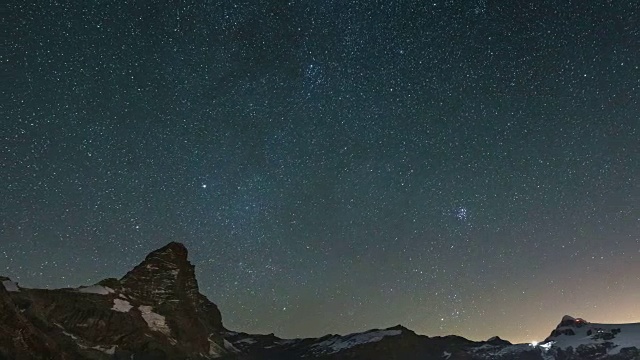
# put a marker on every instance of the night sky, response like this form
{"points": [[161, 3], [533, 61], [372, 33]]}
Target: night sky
{"points": [[459, 167]]}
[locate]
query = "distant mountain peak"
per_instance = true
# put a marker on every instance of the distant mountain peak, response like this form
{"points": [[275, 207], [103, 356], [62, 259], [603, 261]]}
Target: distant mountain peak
{"points": [[399, 327], [496, 340], [595, 340], [569, 320]]}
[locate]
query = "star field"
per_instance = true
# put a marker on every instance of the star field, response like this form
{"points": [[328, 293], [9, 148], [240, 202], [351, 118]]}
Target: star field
{"points": [[458, 167]]}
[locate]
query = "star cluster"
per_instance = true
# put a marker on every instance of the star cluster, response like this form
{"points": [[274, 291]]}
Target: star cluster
{"points": [[460, 167]]}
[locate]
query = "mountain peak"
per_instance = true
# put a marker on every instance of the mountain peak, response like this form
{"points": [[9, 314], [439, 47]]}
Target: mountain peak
{"points": [[173, 250], [399, 327], [568, 326], [496, 340], [165, 274], [166, 277], [568, 320]]}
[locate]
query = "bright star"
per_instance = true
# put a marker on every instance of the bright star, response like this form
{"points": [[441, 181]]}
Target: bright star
{"points": [[204, 186]]}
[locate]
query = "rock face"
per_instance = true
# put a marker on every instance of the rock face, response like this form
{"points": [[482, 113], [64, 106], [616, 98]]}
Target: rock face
{"points": [[166, 280], [19, 337], [157, 312]]}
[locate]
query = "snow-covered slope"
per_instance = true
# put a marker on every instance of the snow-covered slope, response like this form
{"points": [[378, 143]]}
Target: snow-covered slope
{"points": [[573, 339], [580, 334]]}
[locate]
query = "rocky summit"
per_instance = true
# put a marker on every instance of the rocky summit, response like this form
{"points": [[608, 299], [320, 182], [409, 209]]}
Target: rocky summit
{"points": [[156, 311]]}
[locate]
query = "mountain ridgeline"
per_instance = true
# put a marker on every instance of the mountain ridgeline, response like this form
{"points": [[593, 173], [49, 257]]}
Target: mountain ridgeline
{"points": [[157, 312]]}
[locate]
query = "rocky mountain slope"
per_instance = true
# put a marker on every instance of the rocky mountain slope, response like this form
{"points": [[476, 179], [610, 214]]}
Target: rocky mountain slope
{"points": [[156, 311]]}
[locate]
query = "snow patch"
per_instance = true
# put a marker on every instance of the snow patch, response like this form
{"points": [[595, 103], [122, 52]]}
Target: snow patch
{"points": [[110, 350], [513, 349], [121, 305], [71, 335], [246, 341], [229, 346], [77, 340], [155, 321], [10, 286], [286, 341], [510, 351], [96, 289], [339, 343], [215, 350], [446, 354]]}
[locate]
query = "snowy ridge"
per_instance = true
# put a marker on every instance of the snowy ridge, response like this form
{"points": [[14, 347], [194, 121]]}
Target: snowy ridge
{"points": [[488, 351], [339, 343]]}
